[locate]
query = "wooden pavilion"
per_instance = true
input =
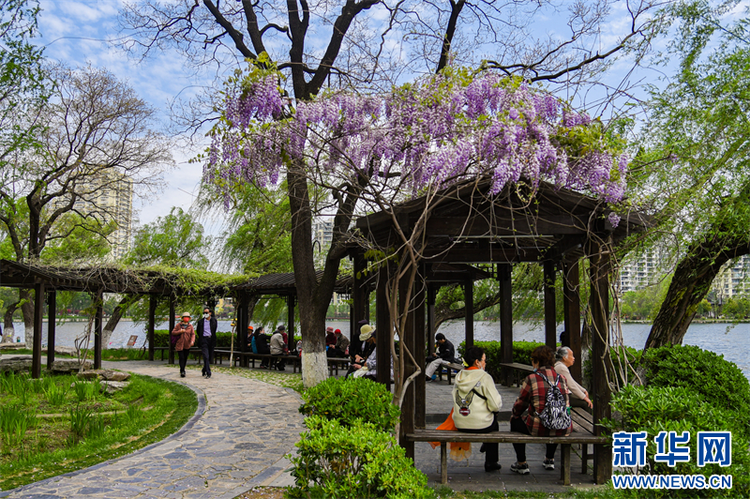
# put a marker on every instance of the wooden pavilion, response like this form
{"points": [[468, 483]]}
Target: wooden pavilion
{"points": [[466, 225]]}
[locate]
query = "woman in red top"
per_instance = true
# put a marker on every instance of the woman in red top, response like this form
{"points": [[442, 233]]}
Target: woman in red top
{"points": [[532, 399]]}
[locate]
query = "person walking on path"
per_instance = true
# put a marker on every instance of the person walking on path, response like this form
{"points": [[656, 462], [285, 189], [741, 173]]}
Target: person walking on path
{"points": [[185, 339], [278, 348], [533, 398], [207, 339], [578, 395]]}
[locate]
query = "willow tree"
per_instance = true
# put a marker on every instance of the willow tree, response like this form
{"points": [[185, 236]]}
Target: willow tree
{"points": [[702, 191]]}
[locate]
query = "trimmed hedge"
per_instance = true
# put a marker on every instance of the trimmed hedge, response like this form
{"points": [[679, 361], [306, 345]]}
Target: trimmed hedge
{"points": [[223, 339]]}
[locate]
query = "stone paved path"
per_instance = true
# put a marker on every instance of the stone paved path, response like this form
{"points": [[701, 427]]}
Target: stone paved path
{"points": [[238, 442]]}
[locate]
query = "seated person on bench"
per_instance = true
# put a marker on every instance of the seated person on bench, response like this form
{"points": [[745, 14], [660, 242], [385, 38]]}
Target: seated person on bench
{"points": [[339, 349], [533, 398], [261, 345], [446, 356], [578, 395], [278, 348], [369, 368]]}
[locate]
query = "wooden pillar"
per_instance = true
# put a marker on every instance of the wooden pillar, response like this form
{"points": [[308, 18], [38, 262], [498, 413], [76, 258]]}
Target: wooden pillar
{"points": [[172, 323], [420, 400], [506, 319], [600, 392], [550, 313], [152, 300], [98, 320], [469, 305], [290, 319], [384, 330], [432, 290], [407, 342], [572, 312], [360, 305], [51, 315], [36, 357]]}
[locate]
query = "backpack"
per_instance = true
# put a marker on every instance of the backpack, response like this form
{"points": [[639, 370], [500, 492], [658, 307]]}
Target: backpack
{"points": [[555, 415]]}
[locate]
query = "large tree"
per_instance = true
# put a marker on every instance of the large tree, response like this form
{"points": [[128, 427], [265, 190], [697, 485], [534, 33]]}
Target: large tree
{"points": [[700, 124], [97, 133], [369, 44]]}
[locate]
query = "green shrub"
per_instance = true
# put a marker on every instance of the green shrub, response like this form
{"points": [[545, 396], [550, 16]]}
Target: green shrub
{"points": [[719, 382], [521, 354], [654, 409], [338, 461], [351, 401]]}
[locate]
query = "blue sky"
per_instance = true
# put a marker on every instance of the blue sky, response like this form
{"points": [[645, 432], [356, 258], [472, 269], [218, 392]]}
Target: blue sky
{"points": [[78, 32]]}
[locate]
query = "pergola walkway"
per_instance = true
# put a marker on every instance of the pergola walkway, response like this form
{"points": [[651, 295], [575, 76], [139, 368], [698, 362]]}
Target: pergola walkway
{"points": [[236, 441]]}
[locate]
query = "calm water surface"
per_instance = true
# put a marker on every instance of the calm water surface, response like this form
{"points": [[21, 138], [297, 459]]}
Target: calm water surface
{"points": [[730, 340]]}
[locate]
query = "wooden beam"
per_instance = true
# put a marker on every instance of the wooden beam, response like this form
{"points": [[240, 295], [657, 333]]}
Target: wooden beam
{"points": [[469, 306], [98, 320], [432, 290], [36, 355], [152, 301], [550, 225], [384, 330], [572, 312], [483, 251], [420, 400], [407, 342], [600, 391], [550, 311], [504, 277], [290, 319], [51, 315]]}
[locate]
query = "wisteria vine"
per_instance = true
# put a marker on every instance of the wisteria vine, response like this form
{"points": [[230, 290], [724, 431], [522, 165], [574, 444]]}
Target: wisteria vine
{"points": [[432, 132]]}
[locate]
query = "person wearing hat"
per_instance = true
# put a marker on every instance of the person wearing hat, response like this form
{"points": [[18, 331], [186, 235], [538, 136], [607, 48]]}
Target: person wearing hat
{"points": [[251, 339], [278, 348], [369, 367], [330, 340], [185, 339], [206, 331], [342, 343]]}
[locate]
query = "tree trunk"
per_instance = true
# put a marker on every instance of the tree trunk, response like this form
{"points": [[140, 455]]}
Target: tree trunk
{"points": [[27, 310], [690, 284], [114, 319], [9, 332]]}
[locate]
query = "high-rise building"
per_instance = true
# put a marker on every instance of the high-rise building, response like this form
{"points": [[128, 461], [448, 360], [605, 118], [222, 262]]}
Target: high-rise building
{"points": [[732, 279], [641, 270], [108, 196], [322, 231]]}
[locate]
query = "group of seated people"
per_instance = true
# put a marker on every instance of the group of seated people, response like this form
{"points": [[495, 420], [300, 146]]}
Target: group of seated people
{"points": [[476, 403], [276, 344]]}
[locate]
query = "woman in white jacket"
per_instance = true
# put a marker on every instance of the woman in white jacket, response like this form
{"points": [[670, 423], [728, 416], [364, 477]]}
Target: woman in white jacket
{"points": [[476, 403]]}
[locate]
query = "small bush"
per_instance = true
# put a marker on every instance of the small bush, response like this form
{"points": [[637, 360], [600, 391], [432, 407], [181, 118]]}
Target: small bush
{"points": [[654, 409], [351, 401], [338, 461], [719, 382]]}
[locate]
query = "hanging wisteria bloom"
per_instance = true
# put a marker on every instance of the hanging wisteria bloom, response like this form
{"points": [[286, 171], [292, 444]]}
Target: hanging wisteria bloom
{"points": [[434, 132]]}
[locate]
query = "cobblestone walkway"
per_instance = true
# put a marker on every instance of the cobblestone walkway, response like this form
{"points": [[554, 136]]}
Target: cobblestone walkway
{"points": [[238, 442]]}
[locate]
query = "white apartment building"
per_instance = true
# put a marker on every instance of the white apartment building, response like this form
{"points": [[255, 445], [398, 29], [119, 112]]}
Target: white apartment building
{"points": [[641, 271]]}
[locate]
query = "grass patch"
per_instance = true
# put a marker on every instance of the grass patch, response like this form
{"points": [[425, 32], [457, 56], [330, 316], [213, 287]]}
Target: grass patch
{"points": [[60, 424], [122, 354]]}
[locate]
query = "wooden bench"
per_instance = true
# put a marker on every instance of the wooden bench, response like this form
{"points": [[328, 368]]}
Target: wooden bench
{"points": [[448, 371], [336, 363], [520, 371], [163, 350], [250, 357], [583, 434]]}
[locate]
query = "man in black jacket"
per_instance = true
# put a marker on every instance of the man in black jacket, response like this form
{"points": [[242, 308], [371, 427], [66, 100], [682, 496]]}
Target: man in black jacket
{"points": [[206, 333], [446, 355]]}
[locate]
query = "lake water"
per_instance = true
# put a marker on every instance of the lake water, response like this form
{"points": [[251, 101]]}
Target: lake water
{"points": [[730, 340]]}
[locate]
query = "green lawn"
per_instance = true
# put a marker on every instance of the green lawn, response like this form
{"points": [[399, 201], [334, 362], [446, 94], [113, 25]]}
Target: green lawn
{"points": [[59, 424]]}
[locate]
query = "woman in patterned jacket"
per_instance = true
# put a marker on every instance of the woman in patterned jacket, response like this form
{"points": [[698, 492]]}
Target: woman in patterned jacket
{"points": [[532, 400]]}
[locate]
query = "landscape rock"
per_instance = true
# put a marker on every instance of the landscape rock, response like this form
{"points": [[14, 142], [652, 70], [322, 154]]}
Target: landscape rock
{"points": [[113, 386], [104, 374], [12, 346], [69, 365], [64, 351], [15, 363]]}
